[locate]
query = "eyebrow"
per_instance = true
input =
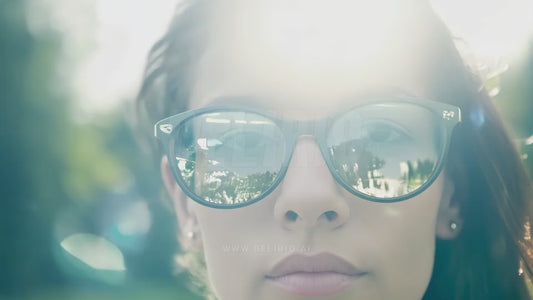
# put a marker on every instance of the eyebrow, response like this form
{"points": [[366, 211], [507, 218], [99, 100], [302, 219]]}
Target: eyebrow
{"points": [[230, 100], [248, 100], [239, 100], [387, 91]]}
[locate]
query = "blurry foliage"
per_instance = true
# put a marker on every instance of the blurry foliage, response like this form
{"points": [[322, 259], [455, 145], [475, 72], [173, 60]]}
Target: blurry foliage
{"points": [[103, 157], [33, 117], [91, 168], [52, 166]]}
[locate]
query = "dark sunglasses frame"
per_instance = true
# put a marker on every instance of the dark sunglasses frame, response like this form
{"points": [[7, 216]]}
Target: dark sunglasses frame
{"points": [[448, 115]]}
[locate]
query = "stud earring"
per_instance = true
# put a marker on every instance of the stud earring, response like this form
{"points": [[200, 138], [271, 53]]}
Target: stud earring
{"points": [[191, 235], [453, 225]]}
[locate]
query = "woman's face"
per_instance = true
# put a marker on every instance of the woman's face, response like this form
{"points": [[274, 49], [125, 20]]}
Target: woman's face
{"points": [[289, 60]]}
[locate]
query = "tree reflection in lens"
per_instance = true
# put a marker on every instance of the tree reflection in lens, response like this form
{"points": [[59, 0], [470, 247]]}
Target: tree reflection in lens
{"points": [[223, 186], [363, 170]]}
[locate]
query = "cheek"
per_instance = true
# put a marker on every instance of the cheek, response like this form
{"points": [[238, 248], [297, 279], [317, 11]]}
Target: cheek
{"points": [[400, 242], [234, 243]]}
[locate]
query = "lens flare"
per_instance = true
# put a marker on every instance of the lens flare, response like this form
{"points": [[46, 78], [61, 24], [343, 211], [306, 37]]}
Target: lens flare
{"points": [[95, 251]]}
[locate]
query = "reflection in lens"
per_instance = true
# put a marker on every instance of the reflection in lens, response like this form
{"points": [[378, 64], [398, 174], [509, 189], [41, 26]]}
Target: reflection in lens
{"points": [[385, 150], [228, 158]]}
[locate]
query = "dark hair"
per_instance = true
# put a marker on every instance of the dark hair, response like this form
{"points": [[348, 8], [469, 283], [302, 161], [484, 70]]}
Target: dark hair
{"points": [[491, 257]]}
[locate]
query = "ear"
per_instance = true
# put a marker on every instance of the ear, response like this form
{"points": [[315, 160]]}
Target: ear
{"points": [[188, 227], [449, 219]]}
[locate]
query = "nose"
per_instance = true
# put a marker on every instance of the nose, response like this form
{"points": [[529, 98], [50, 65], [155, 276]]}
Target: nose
{"points": [[309, 197]]}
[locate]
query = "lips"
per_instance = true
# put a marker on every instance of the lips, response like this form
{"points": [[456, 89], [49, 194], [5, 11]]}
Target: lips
{"points": [[318, 275]]}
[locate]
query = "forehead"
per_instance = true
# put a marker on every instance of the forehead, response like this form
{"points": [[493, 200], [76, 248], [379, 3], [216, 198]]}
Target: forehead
{"points": [[309, 56]]}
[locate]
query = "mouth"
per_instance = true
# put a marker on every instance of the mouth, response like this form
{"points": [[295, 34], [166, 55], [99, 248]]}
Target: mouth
{"points": [[318, 275]]}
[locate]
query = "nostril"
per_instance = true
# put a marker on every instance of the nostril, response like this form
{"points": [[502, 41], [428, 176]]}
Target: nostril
{"points": [[331, 215], [291, 215]]}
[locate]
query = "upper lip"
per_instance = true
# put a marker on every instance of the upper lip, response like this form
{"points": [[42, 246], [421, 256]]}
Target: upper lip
{"points": [[323, 262]]}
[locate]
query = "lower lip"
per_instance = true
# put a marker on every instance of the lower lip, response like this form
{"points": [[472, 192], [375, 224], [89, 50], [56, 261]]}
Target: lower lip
{"points": [[314, 284]]}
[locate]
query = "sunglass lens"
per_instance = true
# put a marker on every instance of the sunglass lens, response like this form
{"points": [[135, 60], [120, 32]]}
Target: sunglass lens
{"points": [[385, 150], [228, 158]]}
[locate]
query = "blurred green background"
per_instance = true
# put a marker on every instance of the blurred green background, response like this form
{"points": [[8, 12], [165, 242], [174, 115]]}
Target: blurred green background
{"points": [[80, 215]]}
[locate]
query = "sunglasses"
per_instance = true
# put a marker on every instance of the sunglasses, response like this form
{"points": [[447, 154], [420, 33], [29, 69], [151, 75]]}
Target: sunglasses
{"points": [[383, 150]]}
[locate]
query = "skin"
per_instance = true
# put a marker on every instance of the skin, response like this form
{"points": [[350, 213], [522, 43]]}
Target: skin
{"points": [[394, 243]]}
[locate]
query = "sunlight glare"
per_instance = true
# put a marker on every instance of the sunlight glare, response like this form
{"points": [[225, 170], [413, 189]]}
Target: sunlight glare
{"points": [[107, 41], [311, 31], [316, 32], [310, 41], [491, 28]]}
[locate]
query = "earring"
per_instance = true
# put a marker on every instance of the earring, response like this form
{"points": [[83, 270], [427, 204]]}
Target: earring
{"points": [[191, 235], [453, 225]]}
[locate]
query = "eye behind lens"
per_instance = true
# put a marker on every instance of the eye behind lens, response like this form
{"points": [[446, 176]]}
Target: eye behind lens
{"points": [[384, 152], [230, 158]]}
